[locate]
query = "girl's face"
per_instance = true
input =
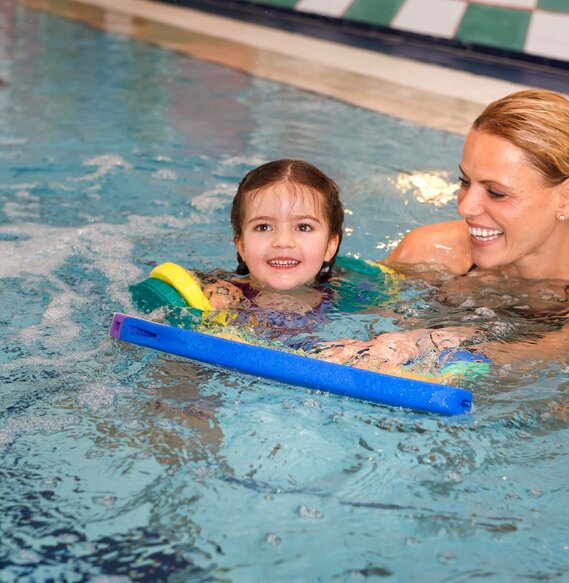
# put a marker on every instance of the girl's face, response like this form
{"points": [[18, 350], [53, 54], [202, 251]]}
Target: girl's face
{"points": [[510, 211], [285, 237]]}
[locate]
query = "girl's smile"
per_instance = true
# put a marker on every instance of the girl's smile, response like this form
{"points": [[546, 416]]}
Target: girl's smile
{"points": [[285, 238]]}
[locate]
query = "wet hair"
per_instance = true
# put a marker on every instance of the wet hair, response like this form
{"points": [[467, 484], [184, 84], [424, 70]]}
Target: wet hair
{"points": [[294, 173], [537, 121]]}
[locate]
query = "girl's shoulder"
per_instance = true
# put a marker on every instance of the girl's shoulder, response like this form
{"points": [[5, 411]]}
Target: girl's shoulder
{"points": [[443, 245]]}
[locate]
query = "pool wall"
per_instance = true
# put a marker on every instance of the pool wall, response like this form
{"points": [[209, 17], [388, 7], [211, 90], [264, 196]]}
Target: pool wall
{"points": [[532, 27], [440, 97]]}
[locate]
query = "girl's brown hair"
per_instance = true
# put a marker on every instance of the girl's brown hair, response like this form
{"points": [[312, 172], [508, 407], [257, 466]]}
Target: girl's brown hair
{"points": [[295, 172]]}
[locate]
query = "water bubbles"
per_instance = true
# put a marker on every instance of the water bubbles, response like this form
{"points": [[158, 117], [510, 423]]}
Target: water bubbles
{"points": [[453, 477], [272, 539], [97, 397], [485, 312], [165, 174], [306, 512], [310, 403], [535, 492], [107, 501], [26, 557]]}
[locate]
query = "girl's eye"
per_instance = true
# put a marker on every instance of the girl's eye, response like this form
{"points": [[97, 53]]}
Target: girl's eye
{"points": [[262, 227], [305, 227], [463, 182]]}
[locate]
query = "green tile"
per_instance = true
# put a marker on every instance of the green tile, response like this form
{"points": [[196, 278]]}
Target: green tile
{"points": [[373, 11], [556, 5], [281, 3], [504, 28]]}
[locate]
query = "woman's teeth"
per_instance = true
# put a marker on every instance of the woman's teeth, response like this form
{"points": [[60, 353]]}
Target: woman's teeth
{"points": [[485, 234]]}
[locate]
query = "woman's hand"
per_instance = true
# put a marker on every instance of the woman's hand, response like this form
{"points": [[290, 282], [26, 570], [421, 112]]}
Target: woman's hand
{"points": [[393, 348], [381, 353]]}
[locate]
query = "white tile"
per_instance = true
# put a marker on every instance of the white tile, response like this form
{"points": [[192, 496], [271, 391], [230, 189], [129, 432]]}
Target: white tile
{"points": [[326, 7], [434, 17], [508, 3], [548, 35]]}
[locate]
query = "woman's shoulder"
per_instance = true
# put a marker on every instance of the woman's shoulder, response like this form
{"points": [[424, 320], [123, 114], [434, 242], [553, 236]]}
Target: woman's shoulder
{"points": [[442, 244]]}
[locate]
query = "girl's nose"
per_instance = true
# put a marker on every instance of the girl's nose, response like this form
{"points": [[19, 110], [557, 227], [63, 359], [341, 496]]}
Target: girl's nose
{"points": [[283, 238]]}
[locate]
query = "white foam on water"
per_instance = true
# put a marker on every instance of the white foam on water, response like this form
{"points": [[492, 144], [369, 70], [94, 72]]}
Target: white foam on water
{"points": [[44, 362], [99, 397], [165, 174], [8, 141], [215, 199], [104, 164], [19, 186], [37, 252], [44, 249], [17, 210], [27, 205], [15, 427], [252, 161]]}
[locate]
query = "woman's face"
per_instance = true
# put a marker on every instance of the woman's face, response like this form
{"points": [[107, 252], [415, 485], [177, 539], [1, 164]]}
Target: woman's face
{"points": [[285, 237], [510, 211]]}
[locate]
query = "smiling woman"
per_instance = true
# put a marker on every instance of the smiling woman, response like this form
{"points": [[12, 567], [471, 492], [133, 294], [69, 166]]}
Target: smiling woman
{"points": [[514, 235], [514, 195]]}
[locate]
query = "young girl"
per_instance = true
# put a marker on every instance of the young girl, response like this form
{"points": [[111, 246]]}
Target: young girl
{"points": [[287, 223]]}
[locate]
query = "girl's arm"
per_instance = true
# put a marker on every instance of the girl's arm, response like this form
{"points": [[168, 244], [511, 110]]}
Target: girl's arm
{"points": [[393, 348], [222, 294]]}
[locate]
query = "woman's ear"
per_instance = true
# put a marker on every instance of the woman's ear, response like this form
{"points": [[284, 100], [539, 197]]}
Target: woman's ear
{"points": [[563, 206], [332, 247]]}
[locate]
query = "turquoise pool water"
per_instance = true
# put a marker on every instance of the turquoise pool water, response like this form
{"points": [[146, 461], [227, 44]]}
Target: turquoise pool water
{"points": [[121, 464]]}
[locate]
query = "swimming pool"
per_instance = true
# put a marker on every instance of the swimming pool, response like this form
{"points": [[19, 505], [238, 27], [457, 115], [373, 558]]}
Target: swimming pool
{"points": [[121, 464]]}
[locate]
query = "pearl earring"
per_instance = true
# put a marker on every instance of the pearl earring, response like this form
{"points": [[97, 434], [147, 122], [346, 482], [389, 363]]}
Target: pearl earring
{"points": [[562, 217]]}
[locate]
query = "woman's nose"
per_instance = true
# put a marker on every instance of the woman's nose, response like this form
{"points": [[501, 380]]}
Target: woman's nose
{"points": [[470, 202]]}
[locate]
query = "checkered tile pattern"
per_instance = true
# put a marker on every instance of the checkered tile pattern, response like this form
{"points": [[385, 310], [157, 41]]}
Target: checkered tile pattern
{"points": [[536, 27]]}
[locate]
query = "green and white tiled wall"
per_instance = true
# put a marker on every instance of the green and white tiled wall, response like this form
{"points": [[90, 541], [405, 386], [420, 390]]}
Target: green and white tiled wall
{"points": [[535, 27]]}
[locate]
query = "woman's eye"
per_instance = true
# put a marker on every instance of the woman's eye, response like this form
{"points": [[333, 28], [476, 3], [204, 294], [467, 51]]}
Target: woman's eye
{"points": [[305, 227], [494, 194], [262, 227], [463, 182]]}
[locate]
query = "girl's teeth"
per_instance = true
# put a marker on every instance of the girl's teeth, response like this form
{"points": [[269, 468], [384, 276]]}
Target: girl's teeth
{"points": [[286, 263]]}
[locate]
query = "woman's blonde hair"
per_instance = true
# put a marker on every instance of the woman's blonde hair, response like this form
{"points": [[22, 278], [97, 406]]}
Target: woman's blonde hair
{"points": [[537, 121]]}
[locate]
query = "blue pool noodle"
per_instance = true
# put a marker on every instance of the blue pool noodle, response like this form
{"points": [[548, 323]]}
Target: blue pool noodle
{"points": [[294, 369]]}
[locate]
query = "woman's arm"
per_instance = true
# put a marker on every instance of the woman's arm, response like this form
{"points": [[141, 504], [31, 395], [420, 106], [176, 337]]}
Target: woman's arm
{"points": [[440, 244], [551, 346]]}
